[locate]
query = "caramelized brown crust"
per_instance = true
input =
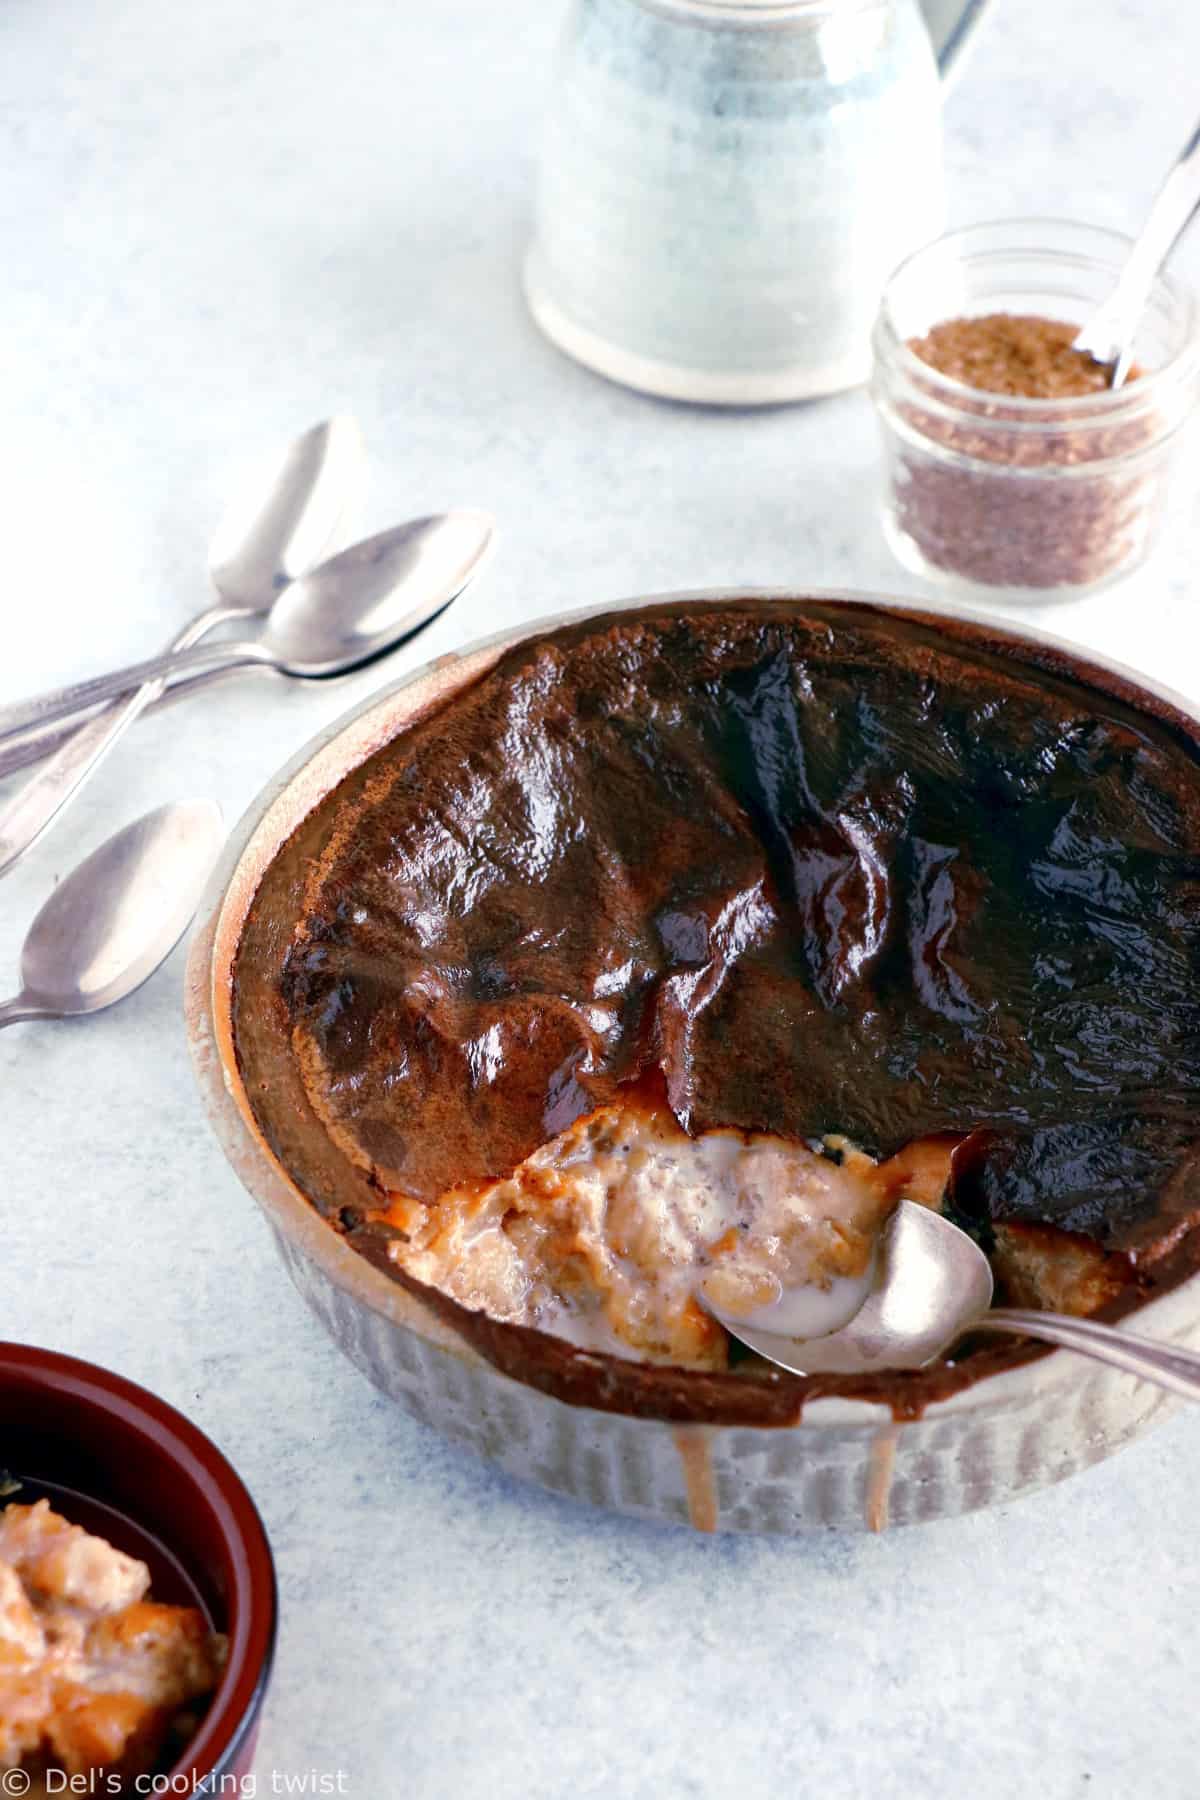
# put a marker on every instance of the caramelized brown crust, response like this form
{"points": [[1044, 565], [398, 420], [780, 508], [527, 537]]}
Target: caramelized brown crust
{"points": [[828, 868]]}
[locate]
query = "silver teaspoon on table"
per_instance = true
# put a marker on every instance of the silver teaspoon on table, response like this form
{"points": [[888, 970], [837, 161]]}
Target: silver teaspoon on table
{"points": [[298, 508], [107, 927], [356, 607], [932, 1284], [1108, 337]]}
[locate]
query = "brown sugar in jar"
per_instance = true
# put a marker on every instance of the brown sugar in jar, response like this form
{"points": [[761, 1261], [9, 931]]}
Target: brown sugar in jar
{"points": [[1012, 464], [1024, 532], [1008, 353]]}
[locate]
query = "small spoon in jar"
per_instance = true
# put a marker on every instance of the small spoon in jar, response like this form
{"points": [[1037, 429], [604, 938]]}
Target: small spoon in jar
{"points": [[347, 612], [931, 1284], [108, 926], [1108, 336]]}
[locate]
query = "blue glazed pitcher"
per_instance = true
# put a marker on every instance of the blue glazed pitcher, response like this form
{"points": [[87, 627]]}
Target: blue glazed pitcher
{"points": [[727, 184]]}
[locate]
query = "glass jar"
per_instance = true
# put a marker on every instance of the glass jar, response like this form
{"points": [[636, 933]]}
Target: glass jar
{"points": [[1027, 499]]}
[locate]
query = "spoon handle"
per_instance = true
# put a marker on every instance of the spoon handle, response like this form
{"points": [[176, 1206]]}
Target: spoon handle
{"points": [[44, 795], [16, 1012], [33, 743], [60, 703], [1108, 337], [1166, 1364]]}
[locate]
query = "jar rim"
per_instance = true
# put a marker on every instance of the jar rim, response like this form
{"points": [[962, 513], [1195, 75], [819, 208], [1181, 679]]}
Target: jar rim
{"points": [[1030, 411]]}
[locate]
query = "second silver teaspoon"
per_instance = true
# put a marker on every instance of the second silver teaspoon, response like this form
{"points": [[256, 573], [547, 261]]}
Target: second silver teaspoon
{"points": [[107, 927], [357, 606], [932, 1285], [298, 508]]}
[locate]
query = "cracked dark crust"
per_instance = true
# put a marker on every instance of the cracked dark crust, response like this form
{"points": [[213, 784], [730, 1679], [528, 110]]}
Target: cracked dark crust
{"points": [[1159, 1247]]}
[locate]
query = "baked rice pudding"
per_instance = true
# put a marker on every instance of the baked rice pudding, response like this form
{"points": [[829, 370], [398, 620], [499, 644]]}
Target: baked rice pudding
{"points": [[661, 959]]}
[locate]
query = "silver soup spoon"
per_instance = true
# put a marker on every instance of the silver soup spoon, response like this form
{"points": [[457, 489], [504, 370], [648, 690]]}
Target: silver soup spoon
{"points": [[1108, 336], [107, 927], [348, 611], [931, 1285], [298, 507]]}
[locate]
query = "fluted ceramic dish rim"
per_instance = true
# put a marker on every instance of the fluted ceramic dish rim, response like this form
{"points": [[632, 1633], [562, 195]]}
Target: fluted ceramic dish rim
{"points": [[304, 782]]}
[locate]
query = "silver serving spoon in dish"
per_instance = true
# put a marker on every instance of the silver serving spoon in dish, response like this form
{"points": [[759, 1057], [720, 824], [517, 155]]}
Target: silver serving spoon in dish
{"points": [[348, 611], [299, 507], [930, 1286], [107, 927], [1109, 335]]}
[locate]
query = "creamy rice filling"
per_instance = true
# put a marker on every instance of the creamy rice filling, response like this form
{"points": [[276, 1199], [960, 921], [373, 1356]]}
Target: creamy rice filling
{"points": [[613, 1233], [93, 1671]]}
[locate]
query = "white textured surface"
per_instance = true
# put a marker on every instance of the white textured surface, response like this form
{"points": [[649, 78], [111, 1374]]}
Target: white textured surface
{"points": [[220, 223]]}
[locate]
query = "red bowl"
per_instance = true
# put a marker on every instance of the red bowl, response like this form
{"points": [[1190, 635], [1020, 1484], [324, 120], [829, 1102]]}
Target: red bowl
{"points": [[158, 1488]]}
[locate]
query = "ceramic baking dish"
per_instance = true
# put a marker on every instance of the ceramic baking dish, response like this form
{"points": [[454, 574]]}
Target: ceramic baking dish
{"points": [[846, 1463]]}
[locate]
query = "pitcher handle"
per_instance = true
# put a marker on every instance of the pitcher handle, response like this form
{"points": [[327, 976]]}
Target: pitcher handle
{"points": [[952, 24]]}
